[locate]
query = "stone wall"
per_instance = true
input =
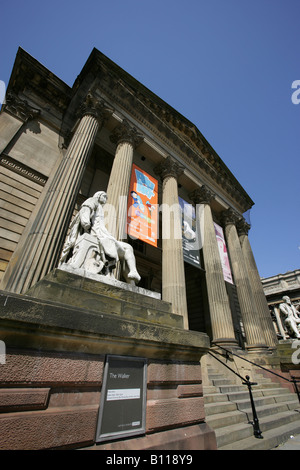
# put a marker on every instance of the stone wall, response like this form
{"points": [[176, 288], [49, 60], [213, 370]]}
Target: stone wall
{"points": [[52, 378]]}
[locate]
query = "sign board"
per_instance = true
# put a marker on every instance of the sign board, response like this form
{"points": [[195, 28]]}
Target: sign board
{"points": [[123, 398], [142, 207], [190, 234], [223, 253]]}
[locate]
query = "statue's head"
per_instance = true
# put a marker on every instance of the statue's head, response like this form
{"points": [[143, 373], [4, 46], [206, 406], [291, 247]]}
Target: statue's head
{"points": [[286, 299], [101, 196]]}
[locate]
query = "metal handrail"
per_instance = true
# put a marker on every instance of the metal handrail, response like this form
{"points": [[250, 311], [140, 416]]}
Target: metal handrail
{"points": [[246, 381], [293, 380]]}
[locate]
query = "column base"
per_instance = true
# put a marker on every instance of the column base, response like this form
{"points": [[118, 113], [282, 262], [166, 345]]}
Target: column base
{"points": [[258, 349], [227, 343]]}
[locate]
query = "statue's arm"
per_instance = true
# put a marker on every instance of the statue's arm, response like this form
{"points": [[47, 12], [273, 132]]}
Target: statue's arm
{"points": [[85, 218]]}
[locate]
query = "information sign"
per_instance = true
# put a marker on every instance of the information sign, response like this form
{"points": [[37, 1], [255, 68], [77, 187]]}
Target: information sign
{"points": [[123, 398]]}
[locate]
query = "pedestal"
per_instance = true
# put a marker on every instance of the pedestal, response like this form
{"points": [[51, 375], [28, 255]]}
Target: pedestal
{"points": [[56, 351]]}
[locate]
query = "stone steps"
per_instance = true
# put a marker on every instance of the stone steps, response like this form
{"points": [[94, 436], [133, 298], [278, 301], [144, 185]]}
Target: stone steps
{"points": [[228, 411]]}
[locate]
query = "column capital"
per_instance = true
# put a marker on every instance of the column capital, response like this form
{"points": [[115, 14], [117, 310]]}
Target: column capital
{"points": [[202, 195], [20, 108], [168, 167], [230, 217], [125, 132], [93, 106], [243, 227]]}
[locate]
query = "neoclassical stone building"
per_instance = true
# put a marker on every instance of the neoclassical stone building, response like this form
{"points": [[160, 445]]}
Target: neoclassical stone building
{"points": [[59, 146]]}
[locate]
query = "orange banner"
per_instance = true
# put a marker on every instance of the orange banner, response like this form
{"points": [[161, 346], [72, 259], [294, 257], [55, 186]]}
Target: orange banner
{"points": [[143, 207]]}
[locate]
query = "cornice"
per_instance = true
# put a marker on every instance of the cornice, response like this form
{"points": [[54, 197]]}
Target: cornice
{"points": [[29, 74], [163, 121], [168, 125]]}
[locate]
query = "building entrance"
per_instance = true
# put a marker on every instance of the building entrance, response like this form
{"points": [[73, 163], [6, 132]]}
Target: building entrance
{"points": [[196, 298]]}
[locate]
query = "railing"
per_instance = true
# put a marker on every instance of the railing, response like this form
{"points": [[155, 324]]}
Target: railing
{"points": [[246, 381]]}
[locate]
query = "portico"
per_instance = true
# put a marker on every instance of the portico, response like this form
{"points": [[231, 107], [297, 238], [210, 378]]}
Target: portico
{"points": [[91, 137]]}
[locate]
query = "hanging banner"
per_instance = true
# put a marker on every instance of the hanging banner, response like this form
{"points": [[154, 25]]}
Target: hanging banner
{"points": [[223, 253], [190, 242], [142, 207]]}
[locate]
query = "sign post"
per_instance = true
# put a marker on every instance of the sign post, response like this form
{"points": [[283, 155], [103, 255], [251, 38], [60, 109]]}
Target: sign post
{"points": [[123, 398]]}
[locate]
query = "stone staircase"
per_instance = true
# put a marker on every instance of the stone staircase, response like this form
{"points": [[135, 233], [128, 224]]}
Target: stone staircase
{"points": [[228, 410]]}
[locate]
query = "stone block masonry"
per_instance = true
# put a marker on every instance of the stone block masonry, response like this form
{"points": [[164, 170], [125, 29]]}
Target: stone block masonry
{"points": [[52, 378]]}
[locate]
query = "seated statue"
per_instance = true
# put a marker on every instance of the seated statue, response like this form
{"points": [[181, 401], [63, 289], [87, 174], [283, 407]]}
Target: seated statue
{"points": [[91, 247], [292, 319]]}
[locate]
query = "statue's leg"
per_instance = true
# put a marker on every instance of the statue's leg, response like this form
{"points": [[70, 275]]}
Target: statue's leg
{"points": [[126, 254]]}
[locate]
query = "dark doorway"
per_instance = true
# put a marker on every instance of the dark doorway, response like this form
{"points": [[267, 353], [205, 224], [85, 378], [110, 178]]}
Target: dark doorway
{"points": [[196, 298]]}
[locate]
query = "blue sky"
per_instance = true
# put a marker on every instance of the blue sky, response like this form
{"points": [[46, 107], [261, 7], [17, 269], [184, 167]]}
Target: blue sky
{"points": [[226, 65]]}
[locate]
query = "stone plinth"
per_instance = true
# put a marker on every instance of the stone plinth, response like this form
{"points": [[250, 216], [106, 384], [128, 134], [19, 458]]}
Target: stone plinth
{"points": [[108, 296], [52, 379]]}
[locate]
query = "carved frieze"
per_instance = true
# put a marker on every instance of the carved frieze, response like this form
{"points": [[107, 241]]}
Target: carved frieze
{"points": [[22, 169]]}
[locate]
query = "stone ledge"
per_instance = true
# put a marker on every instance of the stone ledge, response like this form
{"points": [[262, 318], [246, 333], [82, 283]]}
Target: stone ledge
{"points": [[71, 289], [34, 324], [195, 437], [100, 279]]}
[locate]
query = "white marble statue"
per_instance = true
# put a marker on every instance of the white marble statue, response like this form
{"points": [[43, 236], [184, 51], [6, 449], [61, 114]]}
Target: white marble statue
{"points": [[292, 319], [91, 247]]}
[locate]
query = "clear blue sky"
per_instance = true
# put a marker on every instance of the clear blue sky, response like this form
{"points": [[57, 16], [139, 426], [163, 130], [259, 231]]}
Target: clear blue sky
{"points": [[226, 65]]}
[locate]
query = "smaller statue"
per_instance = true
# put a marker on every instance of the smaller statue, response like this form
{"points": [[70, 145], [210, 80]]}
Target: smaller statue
{"points": [[91, 247], [292, 319]]}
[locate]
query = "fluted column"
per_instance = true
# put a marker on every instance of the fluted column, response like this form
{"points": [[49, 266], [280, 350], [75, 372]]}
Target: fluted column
{"points": [[219, 308], [173, 277], [40, 246], [255, 337], [127, 139], [256, 285]]}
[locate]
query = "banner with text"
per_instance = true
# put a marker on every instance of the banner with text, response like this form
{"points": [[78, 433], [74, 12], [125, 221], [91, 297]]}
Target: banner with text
{"points": [[142, 220], [190, 242], [223, 253]]}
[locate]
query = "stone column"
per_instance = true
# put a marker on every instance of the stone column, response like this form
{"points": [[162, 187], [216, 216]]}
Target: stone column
{"points": [[219, 308], [255, 337], [39, 248], [173, 277], [256, 285], [127, 139]]}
